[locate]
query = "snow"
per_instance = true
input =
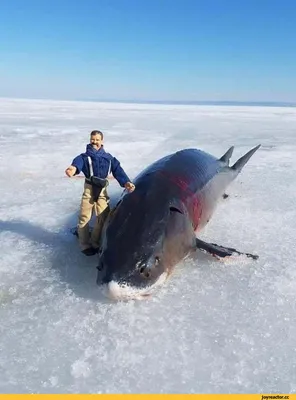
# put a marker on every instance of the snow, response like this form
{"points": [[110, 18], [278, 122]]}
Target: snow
{"points": [[214, 327]]}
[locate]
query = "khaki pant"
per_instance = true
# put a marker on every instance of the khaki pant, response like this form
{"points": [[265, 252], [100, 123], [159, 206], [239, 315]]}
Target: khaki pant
{"points": [[87, 208]]}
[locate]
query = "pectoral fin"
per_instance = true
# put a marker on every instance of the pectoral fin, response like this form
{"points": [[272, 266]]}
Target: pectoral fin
{"points": [[220, 251]]}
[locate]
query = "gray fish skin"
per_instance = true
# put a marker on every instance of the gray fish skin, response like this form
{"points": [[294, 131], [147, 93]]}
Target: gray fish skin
{"points": [[153, 228]]}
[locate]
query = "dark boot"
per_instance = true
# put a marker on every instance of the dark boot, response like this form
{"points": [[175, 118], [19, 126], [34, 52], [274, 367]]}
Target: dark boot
{"points": [[90, 251]]}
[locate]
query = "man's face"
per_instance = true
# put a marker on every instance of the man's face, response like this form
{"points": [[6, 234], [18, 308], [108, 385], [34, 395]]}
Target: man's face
{"points": [[96, 141]]}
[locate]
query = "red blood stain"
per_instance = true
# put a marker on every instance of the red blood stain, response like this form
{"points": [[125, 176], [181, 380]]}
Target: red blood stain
{"points": [[187, 196]]}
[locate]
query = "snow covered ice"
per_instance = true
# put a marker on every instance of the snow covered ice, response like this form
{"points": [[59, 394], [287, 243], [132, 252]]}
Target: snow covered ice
{"points": [[215, 327]]}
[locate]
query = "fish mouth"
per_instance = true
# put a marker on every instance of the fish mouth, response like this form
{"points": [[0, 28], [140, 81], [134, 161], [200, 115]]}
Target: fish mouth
{"points": [[124, 292]]}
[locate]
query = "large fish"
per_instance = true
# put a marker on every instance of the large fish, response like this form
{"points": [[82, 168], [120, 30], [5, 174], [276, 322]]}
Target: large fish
{"points": [[153, 228]]}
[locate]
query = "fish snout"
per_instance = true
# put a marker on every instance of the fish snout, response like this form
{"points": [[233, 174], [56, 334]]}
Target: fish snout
{"points": [[122, 292], [115, 290]]}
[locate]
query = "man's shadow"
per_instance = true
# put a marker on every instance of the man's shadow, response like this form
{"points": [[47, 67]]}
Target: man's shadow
{"points": [[76, 271]]}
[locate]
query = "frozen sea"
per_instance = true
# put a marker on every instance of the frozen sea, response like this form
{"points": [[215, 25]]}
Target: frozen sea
{"points": [[215, 327]]}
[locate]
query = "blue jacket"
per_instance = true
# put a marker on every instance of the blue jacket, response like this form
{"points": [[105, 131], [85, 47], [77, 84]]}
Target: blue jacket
{"points": [[102, 163]]}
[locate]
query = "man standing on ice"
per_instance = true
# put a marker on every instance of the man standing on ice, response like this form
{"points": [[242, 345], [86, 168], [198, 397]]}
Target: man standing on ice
{"points": [[96, 165]]}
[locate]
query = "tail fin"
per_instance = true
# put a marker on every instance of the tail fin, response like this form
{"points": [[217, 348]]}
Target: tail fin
{"points": [[238, 166], [226, 157]]}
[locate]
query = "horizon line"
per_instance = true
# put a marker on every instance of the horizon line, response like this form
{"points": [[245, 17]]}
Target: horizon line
{"points": [[268, 103]]}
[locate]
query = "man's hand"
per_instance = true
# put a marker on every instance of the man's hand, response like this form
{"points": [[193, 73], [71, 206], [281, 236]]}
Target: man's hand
{"points": [[70, 171], [130, 187]]}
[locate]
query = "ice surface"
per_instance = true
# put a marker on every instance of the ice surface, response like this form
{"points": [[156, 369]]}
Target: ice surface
{"points": [[215, 327]]}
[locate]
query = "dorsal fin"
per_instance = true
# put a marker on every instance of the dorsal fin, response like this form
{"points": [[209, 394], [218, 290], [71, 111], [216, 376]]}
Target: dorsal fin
{"points": [[244, 159], [226, 157]]}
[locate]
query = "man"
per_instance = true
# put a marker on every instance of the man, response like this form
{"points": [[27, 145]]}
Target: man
{"points": [[96, 165]]}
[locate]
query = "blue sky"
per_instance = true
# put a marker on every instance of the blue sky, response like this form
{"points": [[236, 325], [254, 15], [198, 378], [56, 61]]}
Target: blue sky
{"points": [[210, 50]]}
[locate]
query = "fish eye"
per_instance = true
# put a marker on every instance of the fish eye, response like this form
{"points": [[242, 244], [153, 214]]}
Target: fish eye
{"points": [[145, 271]]}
